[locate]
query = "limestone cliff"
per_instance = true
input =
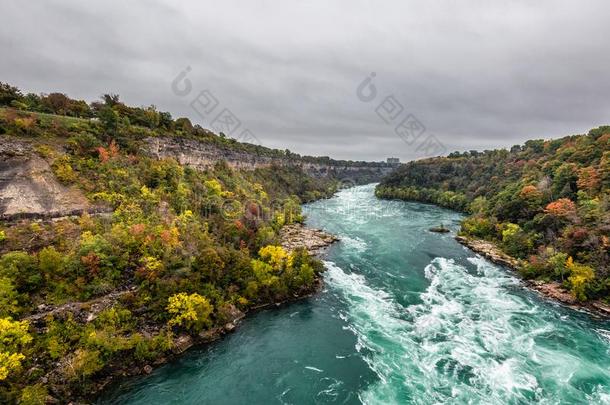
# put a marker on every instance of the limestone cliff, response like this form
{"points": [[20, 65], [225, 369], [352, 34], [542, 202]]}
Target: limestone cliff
{"points": [[203, 155], [28, 187]]}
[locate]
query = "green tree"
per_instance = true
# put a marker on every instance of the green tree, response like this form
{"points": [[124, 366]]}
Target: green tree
{"points": [[9, 93], [515, 241], [109, 119], [22, 269], [9, 298]]}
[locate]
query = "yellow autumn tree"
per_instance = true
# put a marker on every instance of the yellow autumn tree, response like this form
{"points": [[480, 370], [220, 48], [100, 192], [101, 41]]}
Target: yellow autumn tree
{"points": [[580, 278], [191, 311], [277, 257], [14, 337]]}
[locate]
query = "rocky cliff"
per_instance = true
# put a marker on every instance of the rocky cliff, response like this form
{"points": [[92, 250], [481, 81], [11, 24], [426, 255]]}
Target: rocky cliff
{"points": [[203, 155], [28, 187]]}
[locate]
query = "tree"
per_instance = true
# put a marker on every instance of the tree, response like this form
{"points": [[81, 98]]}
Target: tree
{"points": [[588, 179], [516, 242], [564, 180], [9, 93], [276, 257], [184, 124], [604, 169], [562, 208], [14, 337], [531, 199], [56, 103], [9, 303], [580, 279], [50, 262], [111, 99], [22, 269], [189, 311], [109, 119]]}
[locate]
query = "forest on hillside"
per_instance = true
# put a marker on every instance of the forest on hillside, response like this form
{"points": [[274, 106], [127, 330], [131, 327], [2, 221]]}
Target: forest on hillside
{"points": [[181, 251], [545, 202]]}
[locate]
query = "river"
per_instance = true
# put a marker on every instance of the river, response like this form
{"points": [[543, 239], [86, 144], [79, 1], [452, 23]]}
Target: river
{"points": [[406, 316]]}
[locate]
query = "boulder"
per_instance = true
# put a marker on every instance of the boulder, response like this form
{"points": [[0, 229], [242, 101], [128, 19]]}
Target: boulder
{"points": [[182, 343]]}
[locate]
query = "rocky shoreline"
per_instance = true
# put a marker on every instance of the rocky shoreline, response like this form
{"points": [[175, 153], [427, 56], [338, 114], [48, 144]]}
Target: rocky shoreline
{"points": [[292, 237], [315, 241], [552, 289]]}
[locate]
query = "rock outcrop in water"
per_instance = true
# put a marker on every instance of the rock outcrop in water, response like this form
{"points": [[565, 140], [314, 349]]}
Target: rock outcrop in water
{"points": [[490, 251], [315, 241]]}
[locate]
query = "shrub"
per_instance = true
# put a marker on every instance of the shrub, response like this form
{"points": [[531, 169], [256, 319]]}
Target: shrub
{"points": [[34, 395], [63, 170], [50, 261], [480, 227], [83, 144], [83, 363]]}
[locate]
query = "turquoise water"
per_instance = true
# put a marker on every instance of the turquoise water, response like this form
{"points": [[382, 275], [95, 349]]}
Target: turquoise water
{"points": [[406, 316]]}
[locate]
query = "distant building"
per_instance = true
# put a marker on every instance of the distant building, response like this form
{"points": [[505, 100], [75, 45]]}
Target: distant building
{"points": [[393, 161]]}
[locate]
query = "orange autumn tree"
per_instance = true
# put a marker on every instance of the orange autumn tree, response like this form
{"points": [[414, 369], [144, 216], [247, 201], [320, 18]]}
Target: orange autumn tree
{"points": [[588, 179], [108, 153], [562, 208], [530, 192]]}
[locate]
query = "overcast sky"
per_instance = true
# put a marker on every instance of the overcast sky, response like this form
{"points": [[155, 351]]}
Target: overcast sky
{"points": [[477, 75]]}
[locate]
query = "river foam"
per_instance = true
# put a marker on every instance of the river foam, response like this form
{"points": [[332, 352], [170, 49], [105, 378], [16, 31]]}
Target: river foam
{"points": [[469, 340]]}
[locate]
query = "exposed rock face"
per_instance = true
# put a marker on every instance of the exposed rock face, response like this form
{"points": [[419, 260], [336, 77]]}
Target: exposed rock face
{"points": [[81, 311], [203, 155], [182, 343], [28, 187], [315, 241]]}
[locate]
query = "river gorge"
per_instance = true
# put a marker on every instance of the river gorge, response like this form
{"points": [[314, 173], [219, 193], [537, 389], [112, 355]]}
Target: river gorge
{"points": [[405, 316]]}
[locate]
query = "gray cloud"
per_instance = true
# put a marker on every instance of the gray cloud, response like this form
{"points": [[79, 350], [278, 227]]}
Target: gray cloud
{"points": [[479, 75]]}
